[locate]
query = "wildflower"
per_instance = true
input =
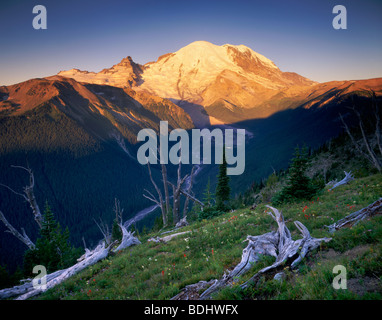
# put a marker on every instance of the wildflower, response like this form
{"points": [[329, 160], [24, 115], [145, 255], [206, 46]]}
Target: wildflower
{"points": [[184, 255], [162, 273], [212, 251]]}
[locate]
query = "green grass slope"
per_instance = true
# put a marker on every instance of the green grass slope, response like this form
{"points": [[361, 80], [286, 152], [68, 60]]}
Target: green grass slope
{"points": [[160, 270]]}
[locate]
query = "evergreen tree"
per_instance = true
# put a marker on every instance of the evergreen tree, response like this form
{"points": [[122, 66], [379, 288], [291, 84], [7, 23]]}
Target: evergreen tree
{"points": [[49, 224], [5, 278], [116, 232], [208, 198], [299, 185], [222, 189], [53, 249]]}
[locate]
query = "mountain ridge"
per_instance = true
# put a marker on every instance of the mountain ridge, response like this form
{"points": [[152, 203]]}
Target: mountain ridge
{"points": [[216, 84]]}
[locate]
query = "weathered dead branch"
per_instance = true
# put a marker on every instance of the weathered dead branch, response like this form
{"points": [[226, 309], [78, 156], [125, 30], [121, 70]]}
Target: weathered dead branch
{"points": [[182, 222], [22, 237], [158, 201], [167, 238], [355, 217], [128, 239], [348, 177], [370, 155], [28, 195]]}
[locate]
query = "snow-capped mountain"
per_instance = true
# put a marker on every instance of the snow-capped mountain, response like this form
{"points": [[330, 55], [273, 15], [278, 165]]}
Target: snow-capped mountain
{"points": [[203, 77], [123, 74], [197, 71]]}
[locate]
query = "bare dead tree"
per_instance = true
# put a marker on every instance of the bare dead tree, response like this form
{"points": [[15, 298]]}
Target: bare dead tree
{"points": [[370, 154], [348, 177], [152, 198], [176, 193], [22, 237], [189, 190], [104, 228], [128, 239], [321, 165], [165, 187], [28, 195], [378, 122], [117, 210]]}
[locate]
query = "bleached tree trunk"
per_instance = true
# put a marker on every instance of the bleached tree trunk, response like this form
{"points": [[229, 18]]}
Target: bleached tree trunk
{"points": [[167, 238], [128, 239], [370, 154], [348, 177], [25, 288], [177, 192], [160, 201], [189, 189], [355, 217], [22, 237], [166, 193], [29, 196], [117, 210], [369, 149], [182, 222], [104, 228]]}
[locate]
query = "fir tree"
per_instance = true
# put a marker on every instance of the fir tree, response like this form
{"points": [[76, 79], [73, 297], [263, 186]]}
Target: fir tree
{"points": [[53, 249], [299, 185], [208, 198], [116, 232], [222, 189]]}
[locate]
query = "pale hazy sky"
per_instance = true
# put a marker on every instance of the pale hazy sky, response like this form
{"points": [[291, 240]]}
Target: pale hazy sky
{"points": [[91, 35]]}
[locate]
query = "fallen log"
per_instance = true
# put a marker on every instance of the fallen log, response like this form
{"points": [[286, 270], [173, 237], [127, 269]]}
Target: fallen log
{"points": [[355, 217], [192, 291], [167, 238], [26, 287], [348, 177]]}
